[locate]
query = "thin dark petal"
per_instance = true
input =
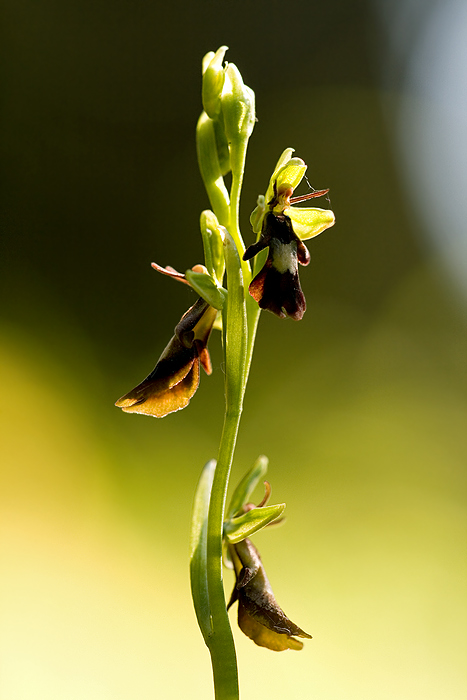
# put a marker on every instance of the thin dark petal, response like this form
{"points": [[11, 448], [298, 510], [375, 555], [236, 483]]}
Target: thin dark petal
{"points": [[204, 358], [303, 254], [255, 248], [170, 272], [310, 195], [267, 494]]}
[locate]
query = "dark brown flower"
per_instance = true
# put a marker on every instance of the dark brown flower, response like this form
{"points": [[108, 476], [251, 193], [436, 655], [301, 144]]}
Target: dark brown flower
{"points": [[277, 287], [259, 615], [175, 378]]}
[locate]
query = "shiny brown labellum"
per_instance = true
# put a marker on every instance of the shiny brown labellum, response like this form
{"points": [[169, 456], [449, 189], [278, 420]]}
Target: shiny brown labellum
{"points": [[175, 378]]}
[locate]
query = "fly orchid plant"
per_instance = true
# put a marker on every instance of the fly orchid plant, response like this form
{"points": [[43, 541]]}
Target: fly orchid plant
{"points": [[219, 535]]}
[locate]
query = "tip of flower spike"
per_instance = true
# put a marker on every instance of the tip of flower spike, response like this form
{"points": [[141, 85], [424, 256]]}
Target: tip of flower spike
{"points": [[213, 82], [212, 56]]}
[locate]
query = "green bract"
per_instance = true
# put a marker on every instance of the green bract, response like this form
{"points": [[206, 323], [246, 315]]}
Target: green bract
{"points": [[250, 522], [247, 485], [205, 286], [213, 245], [198, 549]]}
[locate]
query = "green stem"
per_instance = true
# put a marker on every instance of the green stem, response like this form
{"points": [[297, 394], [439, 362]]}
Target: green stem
{"points": [[240, 321], [221, 644], [238, 158]]}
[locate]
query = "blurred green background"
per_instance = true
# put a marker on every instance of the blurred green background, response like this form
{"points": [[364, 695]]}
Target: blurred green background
{"points": [[361, 407]]}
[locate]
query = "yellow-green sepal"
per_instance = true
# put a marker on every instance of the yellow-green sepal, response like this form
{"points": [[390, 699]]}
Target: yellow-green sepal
{"points": [[291, 174], [309, 222], [288, 172], [207, 289], [245, 525]]}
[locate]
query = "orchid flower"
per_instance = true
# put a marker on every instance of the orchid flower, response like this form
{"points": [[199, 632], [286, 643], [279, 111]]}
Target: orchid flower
{"points": [[283, 228], [259, 615], [175, 378]]}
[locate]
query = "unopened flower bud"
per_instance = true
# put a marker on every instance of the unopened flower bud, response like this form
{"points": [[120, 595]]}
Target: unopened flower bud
{"points": [[213, 81], [238, 106]]}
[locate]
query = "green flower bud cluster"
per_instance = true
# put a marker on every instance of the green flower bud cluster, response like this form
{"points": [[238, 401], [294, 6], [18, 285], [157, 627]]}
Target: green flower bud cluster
{"points": [[223, 129]]}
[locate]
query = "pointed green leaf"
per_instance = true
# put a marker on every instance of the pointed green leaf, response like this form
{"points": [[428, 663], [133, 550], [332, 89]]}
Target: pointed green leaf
{"points": [[198, 547], [247, 485], [252, 521]]}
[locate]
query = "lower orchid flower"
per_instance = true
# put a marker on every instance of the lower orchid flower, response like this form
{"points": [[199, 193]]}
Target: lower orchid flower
{"points": [[259, 615], [282, 229]]}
